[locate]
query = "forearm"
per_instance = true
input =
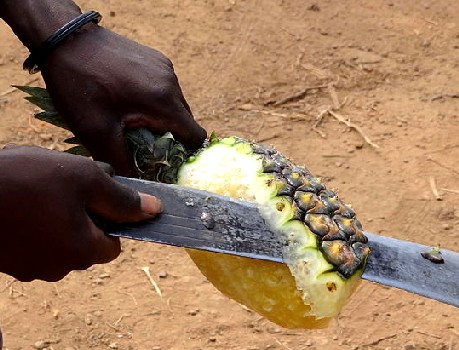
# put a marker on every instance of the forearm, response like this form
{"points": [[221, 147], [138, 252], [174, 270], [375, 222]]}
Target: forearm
{"points": [[35, 20]]}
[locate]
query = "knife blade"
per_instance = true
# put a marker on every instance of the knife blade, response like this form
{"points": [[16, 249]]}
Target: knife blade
{"points": [[207, 221]]}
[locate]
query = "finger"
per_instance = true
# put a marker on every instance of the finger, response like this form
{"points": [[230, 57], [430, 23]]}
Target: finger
{"points": [[106, 168], [119, 203], [174, 118], [102, 248], [107, 143], [186, 129]]}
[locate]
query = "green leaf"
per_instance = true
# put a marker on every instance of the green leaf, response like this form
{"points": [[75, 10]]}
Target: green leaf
{"points": [[44, 103], [72, 141], [79, 151], [52, 118], [34, 91]]}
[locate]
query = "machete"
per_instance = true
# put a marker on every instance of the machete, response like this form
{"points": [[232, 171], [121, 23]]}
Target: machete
{"points": [[202, 220]]}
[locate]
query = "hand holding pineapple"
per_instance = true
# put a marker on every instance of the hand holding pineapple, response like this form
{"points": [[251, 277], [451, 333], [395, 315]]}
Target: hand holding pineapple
{"points": [[102, 83], [46, 202]]}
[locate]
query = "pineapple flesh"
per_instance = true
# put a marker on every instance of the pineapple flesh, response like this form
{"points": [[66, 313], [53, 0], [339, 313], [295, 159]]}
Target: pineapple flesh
{"points": [[325, 250]]}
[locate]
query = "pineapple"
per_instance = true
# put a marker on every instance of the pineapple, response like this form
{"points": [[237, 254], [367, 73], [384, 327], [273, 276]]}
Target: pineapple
{"points": [[325, 250]]}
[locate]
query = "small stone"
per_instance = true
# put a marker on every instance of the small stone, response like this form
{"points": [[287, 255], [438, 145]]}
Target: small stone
{"points": [[445, 226], [97, 313], [410, 346], [88, 320], [156, 348], [112, 13], [104, 275], [113, 346], [98, 281], [247, 107], [308, 342], [193, 312], [274, 330], [41, 344], [162, 274]]}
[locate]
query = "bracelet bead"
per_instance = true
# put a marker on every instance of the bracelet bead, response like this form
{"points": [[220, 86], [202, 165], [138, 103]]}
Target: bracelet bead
{"points": [[36, 57]]}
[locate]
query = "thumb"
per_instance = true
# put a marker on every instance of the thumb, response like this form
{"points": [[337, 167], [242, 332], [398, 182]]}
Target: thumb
{"points": [[119, 203]]}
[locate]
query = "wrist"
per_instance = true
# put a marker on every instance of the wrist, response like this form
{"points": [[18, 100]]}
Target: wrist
{"points": [[34, 21]]}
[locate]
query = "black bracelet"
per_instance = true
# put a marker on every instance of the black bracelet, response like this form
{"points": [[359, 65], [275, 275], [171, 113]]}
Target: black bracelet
{"points": [[33, 62]]}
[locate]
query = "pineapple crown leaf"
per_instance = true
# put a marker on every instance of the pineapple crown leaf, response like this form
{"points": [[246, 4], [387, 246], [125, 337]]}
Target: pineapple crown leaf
{"points": [[155, 157], [79, 151]]}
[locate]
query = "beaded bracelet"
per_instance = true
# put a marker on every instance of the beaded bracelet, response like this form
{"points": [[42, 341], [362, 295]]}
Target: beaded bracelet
{"points": [[36, 57]]}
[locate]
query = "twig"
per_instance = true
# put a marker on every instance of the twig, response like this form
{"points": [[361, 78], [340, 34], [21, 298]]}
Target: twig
{"points": [[282, 344], [433, 187], [319, 120], [262, 125], [8, 285], [430, 334], [333, 96], [451, 191], [274, 114], [12, 291], [120, 319], [377, 341], [117, 322], [430, 21], [352, 126], [440, 96], [443, 166], [132, 297], [146, 269], [57, 291], [297, 96]]}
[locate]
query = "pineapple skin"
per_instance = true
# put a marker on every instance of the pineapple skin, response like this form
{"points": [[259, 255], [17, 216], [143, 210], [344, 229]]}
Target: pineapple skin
{"points": [[325, 248], [325, 251]]}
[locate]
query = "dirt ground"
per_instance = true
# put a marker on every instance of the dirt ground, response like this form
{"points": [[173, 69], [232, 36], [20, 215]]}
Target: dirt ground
{"points": [[269, 71]]}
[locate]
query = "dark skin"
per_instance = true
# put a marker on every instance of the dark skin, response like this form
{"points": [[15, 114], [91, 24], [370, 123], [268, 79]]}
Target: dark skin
{"points": [[101, 83], [58, 236]]}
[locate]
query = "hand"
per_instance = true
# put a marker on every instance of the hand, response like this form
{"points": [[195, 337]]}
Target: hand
{"points": [[46, 199], [102, 83]]}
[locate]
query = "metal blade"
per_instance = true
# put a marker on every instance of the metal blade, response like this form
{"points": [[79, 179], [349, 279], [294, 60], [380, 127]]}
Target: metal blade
{"points": [[399, 264], [202, 220]]}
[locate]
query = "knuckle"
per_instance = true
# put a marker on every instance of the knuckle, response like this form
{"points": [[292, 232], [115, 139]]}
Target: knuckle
{"points": [[164, 93]]}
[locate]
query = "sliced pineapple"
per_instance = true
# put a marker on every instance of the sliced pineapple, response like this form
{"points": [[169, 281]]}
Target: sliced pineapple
{"points": [[325, 248]]}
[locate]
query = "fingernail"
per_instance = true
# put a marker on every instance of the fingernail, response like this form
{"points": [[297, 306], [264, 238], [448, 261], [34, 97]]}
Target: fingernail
{"points": [[150, 205]]}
